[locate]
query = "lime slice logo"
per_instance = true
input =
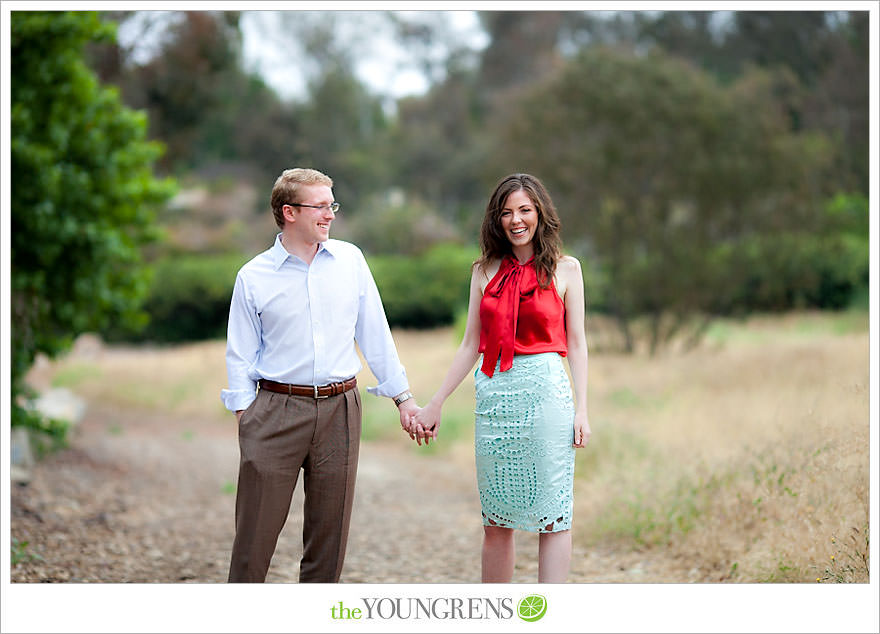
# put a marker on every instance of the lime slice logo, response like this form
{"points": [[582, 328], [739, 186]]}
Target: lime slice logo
{"points": [[532, 608]]}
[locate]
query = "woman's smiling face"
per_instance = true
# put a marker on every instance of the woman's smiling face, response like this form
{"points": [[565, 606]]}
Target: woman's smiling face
{"points": [[519, 218]]}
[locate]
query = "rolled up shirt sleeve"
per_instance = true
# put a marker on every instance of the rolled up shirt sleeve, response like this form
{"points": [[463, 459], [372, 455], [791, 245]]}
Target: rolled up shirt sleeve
{"points": [[373, 337], [242, 348]]}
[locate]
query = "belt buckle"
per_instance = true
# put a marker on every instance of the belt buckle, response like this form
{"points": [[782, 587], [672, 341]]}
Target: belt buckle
{"points": [[317, 396]]}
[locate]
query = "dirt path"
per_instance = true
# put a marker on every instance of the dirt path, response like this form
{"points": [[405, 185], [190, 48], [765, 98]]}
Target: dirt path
{"points": [[144, 498]]}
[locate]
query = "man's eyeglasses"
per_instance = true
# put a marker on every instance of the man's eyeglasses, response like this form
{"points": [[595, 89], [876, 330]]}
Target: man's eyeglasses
{"points": [[334, 207]]}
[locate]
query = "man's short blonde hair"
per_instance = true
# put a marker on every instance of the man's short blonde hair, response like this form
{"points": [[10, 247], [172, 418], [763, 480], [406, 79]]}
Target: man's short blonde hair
{"points": [[286, 188]]}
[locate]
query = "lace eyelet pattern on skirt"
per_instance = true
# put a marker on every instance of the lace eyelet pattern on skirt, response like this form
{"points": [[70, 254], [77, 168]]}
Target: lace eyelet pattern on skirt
{"points": [[523, 433]]}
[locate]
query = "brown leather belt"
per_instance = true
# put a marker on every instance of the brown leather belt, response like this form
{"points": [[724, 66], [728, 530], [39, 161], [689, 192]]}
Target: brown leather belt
{"points": [[315, 391]]}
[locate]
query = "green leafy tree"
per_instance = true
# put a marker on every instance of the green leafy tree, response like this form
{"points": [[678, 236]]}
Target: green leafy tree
{"points": [[189, 87], [522, 45], [440, 150], [83, 194], [199, 98], [827, 51], [660, 173], [342, 131]]}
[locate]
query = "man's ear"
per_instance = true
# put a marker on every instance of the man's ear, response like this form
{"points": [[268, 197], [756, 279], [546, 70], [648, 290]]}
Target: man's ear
{"points": [[289, 213]]}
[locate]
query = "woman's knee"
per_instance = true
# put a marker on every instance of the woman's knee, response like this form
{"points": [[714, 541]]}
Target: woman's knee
{"points": [[557, 537], [497, 534]]}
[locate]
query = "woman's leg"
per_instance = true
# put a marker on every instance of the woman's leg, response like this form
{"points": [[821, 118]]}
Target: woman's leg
{"points": [[554, 556], [498, 554]]}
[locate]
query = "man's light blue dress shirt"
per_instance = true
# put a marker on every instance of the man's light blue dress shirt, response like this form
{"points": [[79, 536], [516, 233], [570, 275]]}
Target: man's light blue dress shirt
{"points": [[297, 323]]}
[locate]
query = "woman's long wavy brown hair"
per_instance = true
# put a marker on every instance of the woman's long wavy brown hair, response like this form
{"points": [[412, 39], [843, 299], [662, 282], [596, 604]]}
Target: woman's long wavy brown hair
{"points": [[547, 242]]}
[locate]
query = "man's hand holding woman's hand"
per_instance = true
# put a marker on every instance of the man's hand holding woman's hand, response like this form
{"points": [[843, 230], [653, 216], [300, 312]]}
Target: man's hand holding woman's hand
{"points": [[408, 409], [425, 423], [420, 423]]}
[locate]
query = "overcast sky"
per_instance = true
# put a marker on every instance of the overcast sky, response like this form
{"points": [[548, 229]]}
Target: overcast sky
{"points": [[271, 50], [383, 65]]}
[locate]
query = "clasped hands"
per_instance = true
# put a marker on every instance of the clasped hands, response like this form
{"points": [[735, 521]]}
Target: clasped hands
{"points": [[421, 423]]}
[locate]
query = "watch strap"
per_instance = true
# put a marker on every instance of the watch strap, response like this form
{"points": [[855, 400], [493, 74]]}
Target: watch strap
{"points": [[405, 396]]}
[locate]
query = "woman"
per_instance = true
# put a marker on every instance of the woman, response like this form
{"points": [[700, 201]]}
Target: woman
{"points": [[526, 312]]}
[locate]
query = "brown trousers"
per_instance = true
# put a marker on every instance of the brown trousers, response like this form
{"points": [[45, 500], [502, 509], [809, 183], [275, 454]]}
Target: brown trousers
{"points": [[279, 435]]}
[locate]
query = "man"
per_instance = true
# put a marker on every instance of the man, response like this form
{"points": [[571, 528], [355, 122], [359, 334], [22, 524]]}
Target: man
{"points": [[297, 311]]}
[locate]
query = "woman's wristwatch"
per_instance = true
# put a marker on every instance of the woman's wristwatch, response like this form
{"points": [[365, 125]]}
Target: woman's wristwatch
{"points": [[403, 396]]}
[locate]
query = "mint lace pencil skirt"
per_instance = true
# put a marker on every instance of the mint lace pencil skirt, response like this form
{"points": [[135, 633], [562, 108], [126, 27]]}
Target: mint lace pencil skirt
{"points": [[523, 433]]}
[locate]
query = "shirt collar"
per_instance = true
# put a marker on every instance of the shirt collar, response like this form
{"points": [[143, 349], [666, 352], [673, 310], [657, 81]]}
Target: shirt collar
{"points": [[279, 254]]}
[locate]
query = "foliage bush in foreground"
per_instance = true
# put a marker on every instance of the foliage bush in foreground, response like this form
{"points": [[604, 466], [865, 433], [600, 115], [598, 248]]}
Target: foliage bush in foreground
{"points": [[83, 195]]}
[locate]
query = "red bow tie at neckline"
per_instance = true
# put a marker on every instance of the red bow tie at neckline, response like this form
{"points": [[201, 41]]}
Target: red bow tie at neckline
{"points": [[513, 281]]}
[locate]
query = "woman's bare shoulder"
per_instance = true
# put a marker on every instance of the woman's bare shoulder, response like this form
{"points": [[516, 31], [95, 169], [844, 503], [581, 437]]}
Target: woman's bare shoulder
{"points": [[569, 265], [488, 268], [485, 271]]}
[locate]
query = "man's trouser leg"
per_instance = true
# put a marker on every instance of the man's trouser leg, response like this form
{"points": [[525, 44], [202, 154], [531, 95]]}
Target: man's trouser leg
{"points": [[274, 437], [329, 477]]}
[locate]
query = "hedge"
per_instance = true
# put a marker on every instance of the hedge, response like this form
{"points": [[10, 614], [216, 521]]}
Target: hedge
{"points": [[427, 290], [189, 294], [188, 299]]}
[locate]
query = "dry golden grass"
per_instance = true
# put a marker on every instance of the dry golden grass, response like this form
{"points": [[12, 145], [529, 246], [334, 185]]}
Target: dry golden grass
{"points": [[180, 380], [744, 460]]}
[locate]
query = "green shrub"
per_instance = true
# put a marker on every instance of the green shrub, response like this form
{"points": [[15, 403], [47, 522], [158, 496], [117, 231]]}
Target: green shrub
{"points": [[424, 291], [188, 299], [825, 270]]}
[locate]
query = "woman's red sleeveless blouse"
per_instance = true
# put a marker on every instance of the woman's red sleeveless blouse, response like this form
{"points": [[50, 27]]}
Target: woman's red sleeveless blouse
{"points": [[517, 316]]}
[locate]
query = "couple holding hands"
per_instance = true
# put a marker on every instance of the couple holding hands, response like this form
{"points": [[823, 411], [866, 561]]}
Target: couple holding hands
{"points": [[300, 310]]}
